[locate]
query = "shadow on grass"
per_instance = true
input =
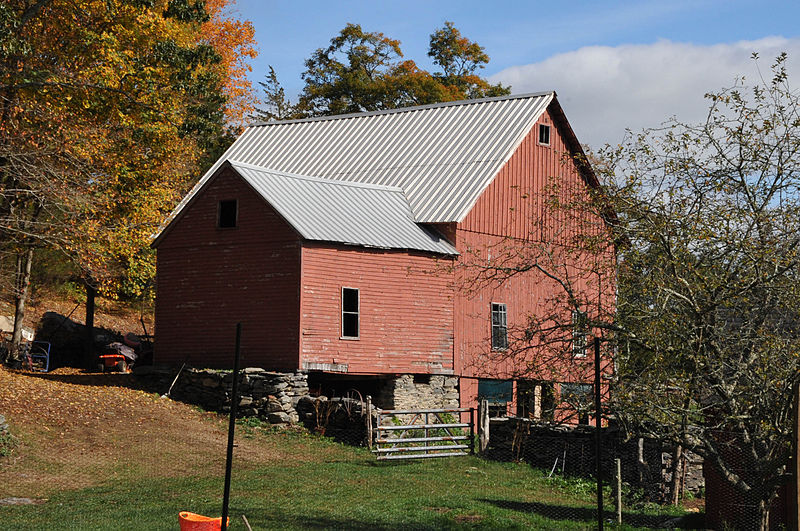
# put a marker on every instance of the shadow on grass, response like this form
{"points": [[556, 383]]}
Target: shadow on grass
{"points": [[270, 520], [589, 514]]}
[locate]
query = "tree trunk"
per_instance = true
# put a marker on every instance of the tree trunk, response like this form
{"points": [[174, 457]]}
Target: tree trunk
{"points": [[675, 489], [21, 289], [764, 506], [88, 347]]}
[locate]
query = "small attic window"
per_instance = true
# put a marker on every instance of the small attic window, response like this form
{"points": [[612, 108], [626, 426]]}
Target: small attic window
{"points": [[227, 213], [544, 134]]}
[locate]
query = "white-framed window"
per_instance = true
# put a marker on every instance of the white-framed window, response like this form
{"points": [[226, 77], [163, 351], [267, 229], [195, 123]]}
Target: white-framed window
{"points": [[227, 213], [351, 307], [499, 326], [544, 134], [578, 334]]}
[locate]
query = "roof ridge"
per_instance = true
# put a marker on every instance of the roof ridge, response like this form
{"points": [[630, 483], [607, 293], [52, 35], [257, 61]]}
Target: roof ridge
{"points": [[313, 178], [406, 109]]}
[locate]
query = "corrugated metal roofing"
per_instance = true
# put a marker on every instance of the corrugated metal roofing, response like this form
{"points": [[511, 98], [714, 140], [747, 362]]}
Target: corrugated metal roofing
{"points": [[351, 213], [443, 156]]}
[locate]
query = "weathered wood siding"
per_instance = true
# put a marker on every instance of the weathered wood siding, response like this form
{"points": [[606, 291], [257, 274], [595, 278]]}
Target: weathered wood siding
{"points": [[210, 278], [512, 205], [406, 310], [511, 212]]}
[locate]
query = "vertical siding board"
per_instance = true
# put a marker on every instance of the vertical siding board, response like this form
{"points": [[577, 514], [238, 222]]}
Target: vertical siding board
{"points": [[209, 279], [510, 211]]}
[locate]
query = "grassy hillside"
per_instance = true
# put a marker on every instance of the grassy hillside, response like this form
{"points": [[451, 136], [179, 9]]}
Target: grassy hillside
{"points": [[98, 451]]}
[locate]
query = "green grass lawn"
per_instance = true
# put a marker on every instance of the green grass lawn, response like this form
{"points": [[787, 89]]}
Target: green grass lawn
{"points": [[335, 487]]}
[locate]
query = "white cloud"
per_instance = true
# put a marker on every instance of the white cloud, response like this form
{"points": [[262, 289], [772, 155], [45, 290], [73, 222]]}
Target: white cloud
{"points": [[606, 89]]}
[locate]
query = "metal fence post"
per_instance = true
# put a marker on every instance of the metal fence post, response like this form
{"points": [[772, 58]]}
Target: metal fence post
{"points": [[231, 427], [598, 436], [618, 462]]}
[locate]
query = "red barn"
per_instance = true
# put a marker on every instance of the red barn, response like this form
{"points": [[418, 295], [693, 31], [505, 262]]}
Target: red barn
{"points": [[336, 242]]}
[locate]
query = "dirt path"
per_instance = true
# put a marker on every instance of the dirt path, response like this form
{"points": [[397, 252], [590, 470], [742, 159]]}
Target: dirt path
{"points": [[78, 429]]}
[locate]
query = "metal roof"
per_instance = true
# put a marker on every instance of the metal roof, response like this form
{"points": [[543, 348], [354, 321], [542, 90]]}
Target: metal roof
{"points": [[443, 156], [351, 213]]}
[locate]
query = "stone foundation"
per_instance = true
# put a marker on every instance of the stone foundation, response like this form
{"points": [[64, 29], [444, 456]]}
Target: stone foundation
{"points": [[409, 391], [272, 396]]}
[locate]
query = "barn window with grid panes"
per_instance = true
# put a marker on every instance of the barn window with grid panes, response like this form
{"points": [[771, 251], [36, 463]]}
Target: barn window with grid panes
{"points": [[350, 313], [499, 326]]}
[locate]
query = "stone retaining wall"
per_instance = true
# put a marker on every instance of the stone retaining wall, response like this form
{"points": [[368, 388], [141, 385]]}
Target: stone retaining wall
{"points": [[272, 396], [276, 396], [408, 391]]}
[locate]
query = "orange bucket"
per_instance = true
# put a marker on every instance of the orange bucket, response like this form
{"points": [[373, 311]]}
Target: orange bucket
{"points": [[198, 522]]}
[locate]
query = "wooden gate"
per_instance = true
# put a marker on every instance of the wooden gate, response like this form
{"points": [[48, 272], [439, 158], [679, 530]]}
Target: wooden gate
{"points": [[421, 433]]}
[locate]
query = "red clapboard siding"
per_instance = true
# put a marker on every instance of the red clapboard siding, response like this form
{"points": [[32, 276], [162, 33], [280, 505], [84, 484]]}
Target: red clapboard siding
{"points": [[209, 279], [510, 211], [406, 313]]}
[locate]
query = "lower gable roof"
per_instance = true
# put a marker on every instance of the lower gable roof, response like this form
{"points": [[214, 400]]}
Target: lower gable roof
{"points": [[326, 210]]}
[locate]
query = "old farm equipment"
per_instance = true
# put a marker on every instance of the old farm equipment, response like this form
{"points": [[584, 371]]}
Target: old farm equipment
{"points": [[422, 433]]}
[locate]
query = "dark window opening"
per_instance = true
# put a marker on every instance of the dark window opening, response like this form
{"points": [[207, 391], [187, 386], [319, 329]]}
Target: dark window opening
{"points": [[227, 213], [499, 327], [544, 134], [422, 378], [498, 394], [350, 312], [536, 400]]}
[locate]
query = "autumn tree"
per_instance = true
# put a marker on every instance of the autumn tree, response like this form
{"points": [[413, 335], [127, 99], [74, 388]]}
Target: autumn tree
{"points": [[366, 71], [459, 58], [106, 120], [234, 41]]}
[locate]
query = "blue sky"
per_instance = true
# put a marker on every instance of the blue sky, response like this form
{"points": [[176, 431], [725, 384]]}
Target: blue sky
{"points": [[614, 64]]}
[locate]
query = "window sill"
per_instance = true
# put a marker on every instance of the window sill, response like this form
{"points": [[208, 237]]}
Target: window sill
{"points": [[347, 338]]}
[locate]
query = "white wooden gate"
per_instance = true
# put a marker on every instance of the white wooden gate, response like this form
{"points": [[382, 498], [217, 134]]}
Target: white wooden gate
{"points": [[421, 433]]}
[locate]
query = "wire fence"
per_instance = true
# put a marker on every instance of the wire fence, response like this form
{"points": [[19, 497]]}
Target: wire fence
{"points": [[101, 465]]}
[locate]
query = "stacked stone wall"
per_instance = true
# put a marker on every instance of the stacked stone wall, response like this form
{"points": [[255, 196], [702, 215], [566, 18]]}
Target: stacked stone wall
{"points": [[281, 398], [272, 396], [408, 391]]}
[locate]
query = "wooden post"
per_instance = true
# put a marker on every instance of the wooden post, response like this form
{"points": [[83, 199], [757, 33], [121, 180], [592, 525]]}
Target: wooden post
{"points": [[472, 430], [88, 346], [369, 422], [426, 432], [483, 425], [618, 462]]}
